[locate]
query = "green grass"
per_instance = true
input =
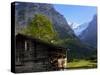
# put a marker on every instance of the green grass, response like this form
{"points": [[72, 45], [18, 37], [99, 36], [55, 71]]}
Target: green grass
{"points": [[82, 64]]}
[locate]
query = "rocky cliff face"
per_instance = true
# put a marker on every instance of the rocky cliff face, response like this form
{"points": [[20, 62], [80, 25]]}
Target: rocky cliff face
{"points": [[89, 35], [24, 12]]}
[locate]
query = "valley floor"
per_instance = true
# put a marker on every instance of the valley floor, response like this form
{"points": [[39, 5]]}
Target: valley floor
{"points": [[81, 64]]}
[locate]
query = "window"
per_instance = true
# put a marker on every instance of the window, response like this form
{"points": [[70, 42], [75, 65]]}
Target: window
{"points": [[27, 45]]}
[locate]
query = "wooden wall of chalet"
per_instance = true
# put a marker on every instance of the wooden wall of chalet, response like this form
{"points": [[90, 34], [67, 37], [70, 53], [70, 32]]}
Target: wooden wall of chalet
{"points": [[36, 51]]}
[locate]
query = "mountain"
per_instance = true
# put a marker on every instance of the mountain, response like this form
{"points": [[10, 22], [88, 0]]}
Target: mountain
{"points": [[24, 13], [89, 35], [79, 29]]}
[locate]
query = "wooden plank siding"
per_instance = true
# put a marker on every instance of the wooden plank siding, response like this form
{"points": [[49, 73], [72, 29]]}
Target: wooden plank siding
{"points": [[29, 49]]}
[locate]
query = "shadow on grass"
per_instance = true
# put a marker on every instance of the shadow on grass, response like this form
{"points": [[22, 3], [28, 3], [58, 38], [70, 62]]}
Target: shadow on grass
{"points": [[83, 67]]}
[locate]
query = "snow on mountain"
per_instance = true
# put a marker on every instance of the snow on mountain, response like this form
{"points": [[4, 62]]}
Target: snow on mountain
{"points": [[79, 29]]}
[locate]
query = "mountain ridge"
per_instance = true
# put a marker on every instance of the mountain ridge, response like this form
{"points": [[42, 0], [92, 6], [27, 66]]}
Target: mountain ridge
{"points": [[79, 29], [89, 35], [26, 11]]}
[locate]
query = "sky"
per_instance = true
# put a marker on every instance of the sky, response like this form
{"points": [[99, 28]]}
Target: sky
{"points": [[76, 14]]}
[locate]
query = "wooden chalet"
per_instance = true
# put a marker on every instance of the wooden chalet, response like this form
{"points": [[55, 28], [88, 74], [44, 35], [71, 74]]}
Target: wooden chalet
{"points": [[35, 54]]}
